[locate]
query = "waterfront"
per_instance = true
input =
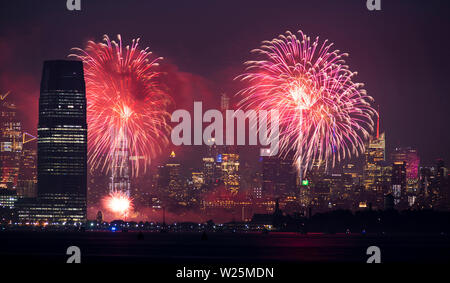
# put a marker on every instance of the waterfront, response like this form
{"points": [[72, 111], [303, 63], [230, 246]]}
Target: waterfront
{"points": [[179, 248]]}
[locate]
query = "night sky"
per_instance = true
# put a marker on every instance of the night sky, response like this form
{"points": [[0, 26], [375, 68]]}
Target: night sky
{"points": [[401, 53]]}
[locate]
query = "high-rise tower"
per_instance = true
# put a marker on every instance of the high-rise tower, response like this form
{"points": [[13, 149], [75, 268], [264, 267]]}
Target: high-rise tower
{"points": [[62, 141], [411, 158], [120, 169]]}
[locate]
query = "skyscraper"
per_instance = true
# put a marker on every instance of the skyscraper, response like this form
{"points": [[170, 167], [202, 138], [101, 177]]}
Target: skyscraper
{"points": [[169, 177], [62, 141], [398, 182], [10, 142], [374, 159], [230, 172], [278, 175], [412, 160], [209, 166]]}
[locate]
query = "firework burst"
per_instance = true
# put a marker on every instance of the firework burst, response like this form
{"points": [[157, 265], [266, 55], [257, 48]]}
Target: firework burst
{"points": [[126, 107], [324, 116], [118, 203]]}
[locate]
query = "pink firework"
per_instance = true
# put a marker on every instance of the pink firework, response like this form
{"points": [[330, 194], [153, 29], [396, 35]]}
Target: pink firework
{"points": [[324, 116], [126, 106]]}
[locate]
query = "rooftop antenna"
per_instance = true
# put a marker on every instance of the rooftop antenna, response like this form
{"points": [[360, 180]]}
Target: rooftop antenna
{"points": [[378, 123]]}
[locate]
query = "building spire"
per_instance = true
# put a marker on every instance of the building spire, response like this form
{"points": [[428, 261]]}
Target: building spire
{"points": [[378, 123]]}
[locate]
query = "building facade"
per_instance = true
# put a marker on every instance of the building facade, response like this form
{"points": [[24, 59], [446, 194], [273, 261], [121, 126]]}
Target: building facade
{"points": [[62, 143]]}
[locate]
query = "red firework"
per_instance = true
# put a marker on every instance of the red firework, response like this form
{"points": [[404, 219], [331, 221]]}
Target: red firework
{"points": [[126, 106], [118, 203]]}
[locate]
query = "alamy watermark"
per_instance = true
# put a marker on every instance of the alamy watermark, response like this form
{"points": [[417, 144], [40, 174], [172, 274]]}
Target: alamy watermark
{"points": [[259, 128], [75, 254], [373, 5], [375, 254], [73, 5]]}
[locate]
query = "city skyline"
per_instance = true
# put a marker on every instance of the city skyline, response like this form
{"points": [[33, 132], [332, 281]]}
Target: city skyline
{"points": [[225, 184], [213, 139]]}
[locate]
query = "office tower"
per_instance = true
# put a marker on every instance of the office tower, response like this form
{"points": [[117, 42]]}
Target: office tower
{"points": [[211, 167], [269, 174], [398, 182], [10, 142], [426, 178], [386, 176], [278, 176], [169, 182], [230, 172], [374, 159], [174, 169], [62, 142], [8, 200], [319, 185], [350, 179], [412, 160]]}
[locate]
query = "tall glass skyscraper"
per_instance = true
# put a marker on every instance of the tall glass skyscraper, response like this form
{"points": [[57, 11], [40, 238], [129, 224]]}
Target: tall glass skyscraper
{"points": [[62, 142]]}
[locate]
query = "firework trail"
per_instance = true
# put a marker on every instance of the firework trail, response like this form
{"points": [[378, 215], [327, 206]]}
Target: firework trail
{"points": [[324, 116], [126, 107], [118, 203]]}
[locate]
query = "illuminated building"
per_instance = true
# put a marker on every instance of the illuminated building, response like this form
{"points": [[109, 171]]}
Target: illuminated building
{"points": [[174, 174], [412, 160], [373, 168], [230, 172], [374, 157], [62, 145], [257, 193], [212, 163], [56, 208], [198, 179], [434, 187], [398, 182], [8, 198], [208, 169], [170, 183], [10, 143], [386, 178]]}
